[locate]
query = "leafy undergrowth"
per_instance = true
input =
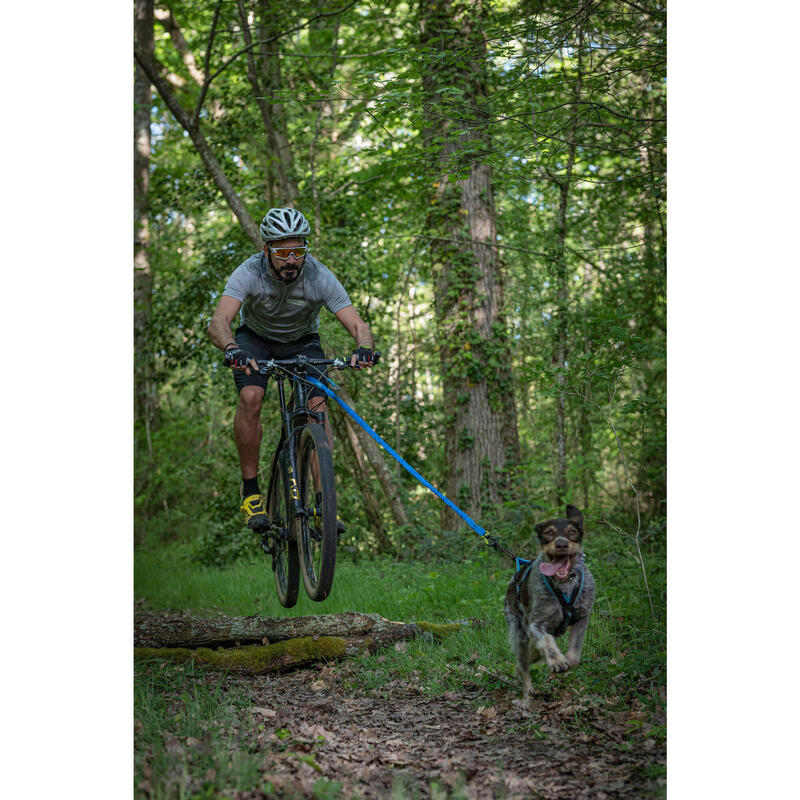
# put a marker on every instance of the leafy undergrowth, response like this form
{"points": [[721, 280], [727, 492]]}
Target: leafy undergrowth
{"points": [[422, 719]]}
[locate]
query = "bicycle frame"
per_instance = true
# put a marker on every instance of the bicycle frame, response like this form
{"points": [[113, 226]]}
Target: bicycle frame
{"points": [[303, 528], [290, 427]]}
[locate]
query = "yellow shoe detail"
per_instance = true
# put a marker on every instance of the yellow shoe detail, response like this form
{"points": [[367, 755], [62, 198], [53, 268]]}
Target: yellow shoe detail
{"points": [[255, 511]]}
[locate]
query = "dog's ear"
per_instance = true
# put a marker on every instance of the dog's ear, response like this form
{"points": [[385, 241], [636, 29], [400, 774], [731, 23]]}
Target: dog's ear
{"points": [[575, 515]]}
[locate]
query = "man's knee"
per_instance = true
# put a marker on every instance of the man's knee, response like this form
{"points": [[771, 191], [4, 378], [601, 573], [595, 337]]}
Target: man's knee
{"points": [[251, 399]]}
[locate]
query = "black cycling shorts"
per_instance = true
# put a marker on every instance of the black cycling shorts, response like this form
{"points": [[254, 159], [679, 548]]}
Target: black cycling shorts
{"points": [[266, 348]]}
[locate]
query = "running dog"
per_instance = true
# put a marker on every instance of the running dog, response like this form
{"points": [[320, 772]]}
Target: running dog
{"points": [[548, 596]]}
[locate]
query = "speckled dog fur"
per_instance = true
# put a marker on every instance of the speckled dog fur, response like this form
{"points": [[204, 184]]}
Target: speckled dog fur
{"points": [[533, 613]]}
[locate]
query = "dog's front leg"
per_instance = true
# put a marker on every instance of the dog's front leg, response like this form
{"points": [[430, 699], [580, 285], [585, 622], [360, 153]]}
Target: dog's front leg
{"points": [[547, 646], [576, 634]]}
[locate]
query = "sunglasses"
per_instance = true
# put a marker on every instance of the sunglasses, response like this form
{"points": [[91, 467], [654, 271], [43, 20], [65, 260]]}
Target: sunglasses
{"points": [[284, 252]]}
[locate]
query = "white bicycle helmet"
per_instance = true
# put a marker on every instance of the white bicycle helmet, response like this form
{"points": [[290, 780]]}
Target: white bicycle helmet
{"points": [[284, 223]]}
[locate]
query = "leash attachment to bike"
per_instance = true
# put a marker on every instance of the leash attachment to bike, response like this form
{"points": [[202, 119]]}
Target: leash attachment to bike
{"points": [[490, 540]]}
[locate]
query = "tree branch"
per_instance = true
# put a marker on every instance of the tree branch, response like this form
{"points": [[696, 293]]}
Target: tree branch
{"points": [[274, 38], [167, 19], [207, 64], [153, 70]]}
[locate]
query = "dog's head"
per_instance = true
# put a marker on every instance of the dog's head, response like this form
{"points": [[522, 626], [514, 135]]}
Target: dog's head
{"points": [[561, 539]]}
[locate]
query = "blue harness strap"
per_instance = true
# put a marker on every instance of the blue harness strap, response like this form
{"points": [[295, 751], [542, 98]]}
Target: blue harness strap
{"points": [[525, 571], [397, 457], [567, 603], [520, 562]]}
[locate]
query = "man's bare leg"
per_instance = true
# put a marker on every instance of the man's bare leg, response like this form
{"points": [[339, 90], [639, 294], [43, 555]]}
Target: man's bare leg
{"points": [[247, 429]]}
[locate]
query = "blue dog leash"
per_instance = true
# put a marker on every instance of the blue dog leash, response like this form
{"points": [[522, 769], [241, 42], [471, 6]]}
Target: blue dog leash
{"points": [[490, 540], [397, 457]]}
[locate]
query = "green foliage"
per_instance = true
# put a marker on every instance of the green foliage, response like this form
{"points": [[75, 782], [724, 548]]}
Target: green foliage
{"points": [[366, 164]]}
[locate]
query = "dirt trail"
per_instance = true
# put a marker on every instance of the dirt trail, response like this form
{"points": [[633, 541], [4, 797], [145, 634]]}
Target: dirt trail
{"points": [[316, 723]]}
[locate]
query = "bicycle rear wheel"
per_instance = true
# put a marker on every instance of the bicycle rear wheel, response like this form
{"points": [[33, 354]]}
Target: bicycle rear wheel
{"points": [[317, 530], [283, 544]]}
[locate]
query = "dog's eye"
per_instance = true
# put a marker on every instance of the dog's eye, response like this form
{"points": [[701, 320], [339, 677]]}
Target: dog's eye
{"points": [[574, 535]]}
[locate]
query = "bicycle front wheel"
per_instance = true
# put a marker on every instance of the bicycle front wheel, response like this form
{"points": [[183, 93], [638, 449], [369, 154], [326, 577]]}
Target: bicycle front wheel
{"points": [[283, 545], [317, 530]]}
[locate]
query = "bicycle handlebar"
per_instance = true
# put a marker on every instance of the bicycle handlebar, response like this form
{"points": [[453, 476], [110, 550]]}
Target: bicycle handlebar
{"points": [[300, 361]]}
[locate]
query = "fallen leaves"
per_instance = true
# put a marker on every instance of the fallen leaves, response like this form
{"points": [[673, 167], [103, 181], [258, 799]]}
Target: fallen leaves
{"points": [[269, 713], [312, 737]]}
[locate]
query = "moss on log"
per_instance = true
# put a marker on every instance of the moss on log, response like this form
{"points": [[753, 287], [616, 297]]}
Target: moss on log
{"points": [[254, 659]]}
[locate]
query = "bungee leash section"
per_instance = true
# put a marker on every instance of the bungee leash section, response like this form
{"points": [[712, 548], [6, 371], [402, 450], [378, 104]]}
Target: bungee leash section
{"points": [[490, 540]]}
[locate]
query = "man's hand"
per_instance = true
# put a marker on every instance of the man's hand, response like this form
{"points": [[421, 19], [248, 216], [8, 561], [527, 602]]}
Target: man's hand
{"points": [[240, 359], [362, 357]]}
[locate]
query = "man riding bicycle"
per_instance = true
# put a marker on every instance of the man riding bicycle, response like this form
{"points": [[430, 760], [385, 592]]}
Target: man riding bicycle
{"points": [[279, 293]]}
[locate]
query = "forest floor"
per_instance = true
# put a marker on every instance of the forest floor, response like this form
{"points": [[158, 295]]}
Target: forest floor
{"points": [[313, 733], [417, 719]]}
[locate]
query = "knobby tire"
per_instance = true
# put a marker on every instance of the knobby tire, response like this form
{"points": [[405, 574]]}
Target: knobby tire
{"points": [[285, 560], [317, 531]]}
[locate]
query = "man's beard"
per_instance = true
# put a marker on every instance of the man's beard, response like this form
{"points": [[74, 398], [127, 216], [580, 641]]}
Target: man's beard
{"points": [[277, 273]]}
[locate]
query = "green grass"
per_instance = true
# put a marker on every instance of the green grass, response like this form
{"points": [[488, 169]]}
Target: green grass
{"points": [[185, 734], [406, 590], [623, 640]]}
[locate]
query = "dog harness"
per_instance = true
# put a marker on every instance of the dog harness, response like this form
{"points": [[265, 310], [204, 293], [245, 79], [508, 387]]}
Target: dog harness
{"points": [[567, 603]]}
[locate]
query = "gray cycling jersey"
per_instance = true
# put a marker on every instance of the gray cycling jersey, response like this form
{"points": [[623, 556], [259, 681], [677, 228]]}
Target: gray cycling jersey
{"points": [[284, 312]]}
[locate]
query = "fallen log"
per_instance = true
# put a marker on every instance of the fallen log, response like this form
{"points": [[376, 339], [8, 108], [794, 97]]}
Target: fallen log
{"points": [[155, 630], [283, 643]]}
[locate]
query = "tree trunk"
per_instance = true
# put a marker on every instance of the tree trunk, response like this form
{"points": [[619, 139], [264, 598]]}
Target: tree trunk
{"points": [[144, 390], [177, 630], [481, 427], [344, 431], [278, 156], [270, 17], [562, 289]]}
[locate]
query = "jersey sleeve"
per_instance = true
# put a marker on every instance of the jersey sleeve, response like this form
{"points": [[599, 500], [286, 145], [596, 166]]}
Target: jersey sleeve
{"points": [[335, 297], [238, 285]]}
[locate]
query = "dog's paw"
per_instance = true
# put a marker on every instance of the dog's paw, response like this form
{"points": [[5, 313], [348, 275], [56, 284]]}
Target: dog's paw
{"points": [[524, 704], [556, 662], [573, 659]]}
